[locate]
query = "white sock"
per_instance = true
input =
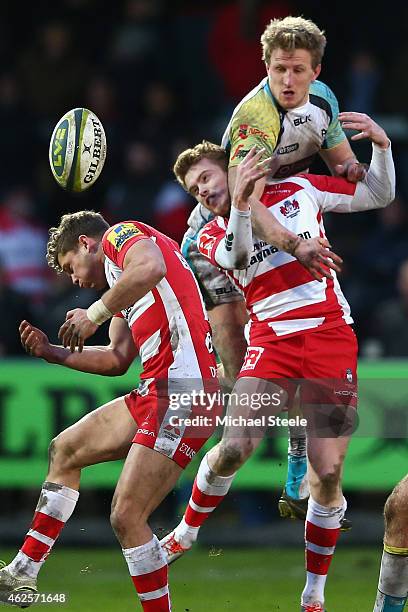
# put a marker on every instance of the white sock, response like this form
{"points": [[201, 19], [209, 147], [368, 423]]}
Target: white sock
{"points": [[206, 483], [393, 575], [55, 506], [149, 571], [322, 527]]}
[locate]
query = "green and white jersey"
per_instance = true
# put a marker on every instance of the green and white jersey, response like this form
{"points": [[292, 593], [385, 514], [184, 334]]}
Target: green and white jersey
{"points": [[293, 137]]}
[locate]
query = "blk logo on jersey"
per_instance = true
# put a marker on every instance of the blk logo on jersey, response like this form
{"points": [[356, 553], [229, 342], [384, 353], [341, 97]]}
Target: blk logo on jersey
{"points": [[302, 120], [290, 208]]}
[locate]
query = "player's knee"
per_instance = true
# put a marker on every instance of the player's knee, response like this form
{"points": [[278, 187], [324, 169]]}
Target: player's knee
{"points": [[61, 452], [125, 514], [233, 454], [397, 503], [329, 476]]}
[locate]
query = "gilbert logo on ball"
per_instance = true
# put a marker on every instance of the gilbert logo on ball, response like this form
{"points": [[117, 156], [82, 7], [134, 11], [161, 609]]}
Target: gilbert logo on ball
{"points": [[77, 150]]}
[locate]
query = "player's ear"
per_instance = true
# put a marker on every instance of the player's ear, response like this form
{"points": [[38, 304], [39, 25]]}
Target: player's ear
{"points": [[85, 241], [316, 71]]}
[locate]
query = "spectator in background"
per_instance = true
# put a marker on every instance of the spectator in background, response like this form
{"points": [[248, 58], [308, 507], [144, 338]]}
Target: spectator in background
{"points": [[172, 208], [390, 320], [136, 50], [52, 74], [23, 244], [14, 308], [133, 196], [363, 81], [16, 132], [385, 248], [233, 43], [163, 113]]}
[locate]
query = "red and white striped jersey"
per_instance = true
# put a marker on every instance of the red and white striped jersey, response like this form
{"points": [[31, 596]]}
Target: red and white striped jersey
{"points": [[282, 297], [169, 324]]}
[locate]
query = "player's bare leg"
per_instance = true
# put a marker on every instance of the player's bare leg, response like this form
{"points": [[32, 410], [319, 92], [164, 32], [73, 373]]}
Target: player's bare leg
{"points": [[147, 477], [392, 592], [102, 435], [325, 512], [227, 324], [219, 466]]}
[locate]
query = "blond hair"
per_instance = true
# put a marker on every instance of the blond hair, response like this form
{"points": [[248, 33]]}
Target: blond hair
{"points": [[189, 157], [65, 237], [293, 33]]}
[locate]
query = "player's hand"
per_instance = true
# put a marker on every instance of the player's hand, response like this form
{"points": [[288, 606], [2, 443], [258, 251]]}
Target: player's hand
{"points": [[76, 329], [34, 341], [315, 255], [352, 170], [366, 127], [249, 171]]}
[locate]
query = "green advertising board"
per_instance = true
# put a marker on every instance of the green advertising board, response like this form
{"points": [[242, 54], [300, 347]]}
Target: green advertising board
{"points": [[38, 400]]}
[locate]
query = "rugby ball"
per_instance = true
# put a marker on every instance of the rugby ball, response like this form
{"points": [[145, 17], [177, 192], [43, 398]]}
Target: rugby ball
{"points": [[77, 150]]}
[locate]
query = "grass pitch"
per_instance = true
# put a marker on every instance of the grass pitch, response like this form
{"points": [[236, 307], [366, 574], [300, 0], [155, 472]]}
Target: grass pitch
{"points": [[238, 580]]}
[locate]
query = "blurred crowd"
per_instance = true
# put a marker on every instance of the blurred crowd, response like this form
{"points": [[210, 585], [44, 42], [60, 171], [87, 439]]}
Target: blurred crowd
{"points": [[161, 76]]}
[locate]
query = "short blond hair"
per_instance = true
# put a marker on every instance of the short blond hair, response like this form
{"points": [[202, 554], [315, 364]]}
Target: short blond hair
{"points": [[293, 33], [65, 237], [189, 157]]}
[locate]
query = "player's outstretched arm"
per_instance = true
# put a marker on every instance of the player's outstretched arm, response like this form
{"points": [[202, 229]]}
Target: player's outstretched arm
{"points": [[377, 189], [341, 161], [111, 360]]}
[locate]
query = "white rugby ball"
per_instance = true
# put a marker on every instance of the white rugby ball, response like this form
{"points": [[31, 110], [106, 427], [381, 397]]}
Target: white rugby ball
{"points": [[77, 150]]}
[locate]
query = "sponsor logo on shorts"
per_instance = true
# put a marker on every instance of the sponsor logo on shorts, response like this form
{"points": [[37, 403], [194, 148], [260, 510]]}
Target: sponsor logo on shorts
{"points": [[288, 149], [187, 450], [122, 233], [252, 356], [290, 208], [146, 432], [246, 130], [345, 393], [171, 433]]}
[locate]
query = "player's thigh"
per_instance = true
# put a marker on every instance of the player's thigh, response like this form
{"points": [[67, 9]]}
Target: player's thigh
{"points": [[105, 434], [227, 323], [147, 477], [251, 404]]}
